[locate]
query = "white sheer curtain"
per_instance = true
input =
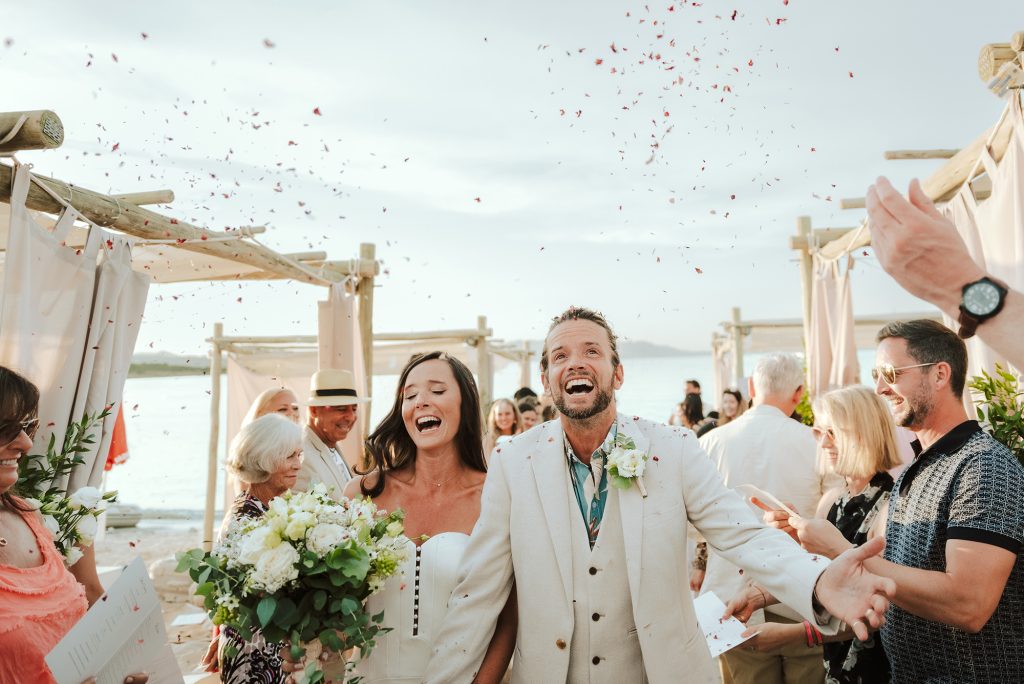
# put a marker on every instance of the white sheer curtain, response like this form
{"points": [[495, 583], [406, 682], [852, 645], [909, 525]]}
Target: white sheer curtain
{"points": [[69, 318], [832, 346], [341, 346]]}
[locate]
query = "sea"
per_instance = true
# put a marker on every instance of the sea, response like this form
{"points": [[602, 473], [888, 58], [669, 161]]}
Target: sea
{"points": [[167, 421]]}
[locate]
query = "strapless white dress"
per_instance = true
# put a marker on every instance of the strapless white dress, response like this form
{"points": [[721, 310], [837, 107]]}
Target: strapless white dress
{"points": [[414, 602]]}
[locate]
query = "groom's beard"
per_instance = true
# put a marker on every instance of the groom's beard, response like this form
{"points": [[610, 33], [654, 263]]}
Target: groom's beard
{"points": [[601, 402]]}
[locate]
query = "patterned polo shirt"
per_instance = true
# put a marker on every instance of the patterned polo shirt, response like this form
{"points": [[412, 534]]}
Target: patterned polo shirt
{"points": [[590, 483], [966, 486]]}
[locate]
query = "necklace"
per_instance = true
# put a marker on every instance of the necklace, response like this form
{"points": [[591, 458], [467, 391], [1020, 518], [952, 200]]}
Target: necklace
{"points": [[438, 484]]}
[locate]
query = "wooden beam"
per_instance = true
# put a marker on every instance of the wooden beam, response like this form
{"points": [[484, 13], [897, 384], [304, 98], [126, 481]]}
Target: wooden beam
{"points": [[318, 257], [819, 236], [737, 342], [920, 154], [148, 197], [133, 220], [942, 184], [852, 203], [992, 57], [484, 371], [38, 130]]}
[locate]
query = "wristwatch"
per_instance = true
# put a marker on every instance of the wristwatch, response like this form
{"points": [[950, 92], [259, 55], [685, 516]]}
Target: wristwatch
{"points": [[979, 301]]}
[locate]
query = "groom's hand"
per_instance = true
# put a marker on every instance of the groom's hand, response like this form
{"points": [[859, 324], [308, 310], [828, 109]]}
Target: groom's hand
{"points": [[849, 592]]}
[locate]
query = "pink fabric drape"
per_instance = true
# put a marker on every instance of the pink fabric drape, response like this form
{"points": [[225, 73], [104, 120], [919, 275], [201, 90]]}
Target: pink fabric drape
{"points": [[832, 345], [341, 346], [994, 228]]}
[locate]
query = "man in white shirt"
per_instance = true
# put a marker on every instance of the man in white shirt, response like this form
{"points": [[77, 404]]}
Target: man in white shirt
{"points": [[767, 448], [331, 409]]}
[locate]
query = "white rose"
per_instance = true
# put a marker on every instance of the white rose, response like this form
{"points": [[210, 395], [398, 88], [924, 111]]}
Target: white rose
{"points": [[73, 555], [85, 497], [276, 567], [51, 524], [86, 528], [324, 537], [629, 462], [253, 545]]}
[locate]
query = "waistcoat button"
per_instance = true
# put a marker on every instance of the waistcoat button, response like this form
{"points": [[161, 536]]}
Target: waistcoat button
{"points": [[560, 643], [593, 571], [596, 660], [596, 617]]}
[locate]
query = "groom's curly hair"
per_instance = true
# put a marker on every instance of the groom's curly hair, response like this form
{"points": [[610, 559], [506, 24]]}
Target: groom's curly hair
{"points": [[579, 313]]}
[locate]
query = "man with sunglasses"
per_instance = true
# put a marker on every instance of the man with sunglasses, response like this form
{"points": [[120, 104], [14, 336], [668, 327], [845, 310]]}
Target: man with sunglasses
{"points": [[956, 522]]}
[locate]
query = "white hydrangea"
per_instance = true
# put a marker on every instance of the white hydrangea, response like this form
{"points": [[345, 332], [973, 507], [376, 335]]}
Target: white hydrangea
{"points": [[275, 568]]}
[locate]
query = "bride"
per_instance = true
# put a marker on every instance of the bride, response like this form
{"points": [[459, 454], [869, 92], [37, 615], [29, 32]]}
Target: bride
{"points": [[427, 459]]}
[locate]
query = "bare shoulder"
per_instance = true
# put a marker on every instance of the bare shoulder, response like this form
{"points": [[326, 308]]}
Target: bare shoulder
{"points": [[354, 488]]}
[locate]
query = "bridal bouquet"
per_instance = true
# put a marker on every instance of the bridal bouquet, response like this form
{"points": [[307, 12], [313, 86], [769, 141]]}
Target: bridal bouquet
{"points": [[72, 519], [300, 573]]}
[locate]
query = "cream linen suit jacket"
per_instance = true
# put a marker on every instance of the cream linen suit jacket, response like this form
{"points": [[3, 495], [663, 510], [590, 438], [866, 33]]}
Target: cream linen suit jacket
{"points": [[523, 533], [318, 466]]}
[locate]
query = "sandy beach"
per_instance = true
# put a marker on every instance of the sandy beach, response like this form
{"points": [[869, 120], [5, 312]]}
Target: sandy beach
{"points": [[157, 542]]}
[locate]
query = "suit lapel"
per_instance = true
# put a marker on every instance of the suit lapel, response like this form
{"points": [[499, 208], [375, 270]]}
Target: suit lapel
{"points": [[631, 512], [551, 474]]}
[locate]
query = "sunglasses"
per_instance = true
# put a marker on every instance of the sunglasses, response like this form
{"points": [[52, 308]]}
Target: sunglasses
{"points": [[821, 433], [889, 374], [10, 431]]}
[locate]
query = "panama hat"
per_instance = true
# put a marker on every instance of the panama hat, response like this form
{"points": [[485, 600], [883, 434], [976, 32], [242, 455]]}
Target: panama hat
{"points": [[333, 387]]}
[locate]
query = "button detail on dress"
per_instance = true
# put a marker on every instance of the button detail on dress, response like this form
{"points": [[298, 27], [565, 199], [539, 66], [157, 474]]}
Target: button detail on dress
{"points": [[595, 617], [560, 643], [596, 660], [593, 571]]}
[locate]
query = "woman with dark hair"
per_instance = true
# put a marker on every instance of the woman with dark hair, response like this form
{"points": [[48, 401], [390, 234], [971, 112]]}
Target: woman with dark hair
{"points": [[733, 407], [40, 600], [427, 458]]}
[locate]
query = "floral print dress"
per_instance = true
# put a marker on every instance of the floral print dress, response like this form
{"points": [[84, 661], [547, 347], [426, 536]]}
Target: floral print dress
{"points": [[254, 661], [856, 661]]}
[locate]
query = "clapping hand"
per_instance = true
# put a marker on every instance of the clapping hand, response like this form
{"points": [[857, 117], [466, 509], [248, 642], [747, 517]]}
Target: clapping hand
{"points": [[853, 594]]}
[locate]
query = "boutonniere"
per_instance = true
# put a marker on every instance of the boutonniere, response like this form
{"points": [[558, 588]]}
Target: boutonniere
{"points": [[626, 464]]}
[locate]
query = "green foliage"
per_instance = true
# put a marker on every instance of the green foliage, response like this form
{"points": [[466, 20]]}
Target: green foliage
{"points": [[39, 481], [804, 410], [1001, 408], [39, 475]]}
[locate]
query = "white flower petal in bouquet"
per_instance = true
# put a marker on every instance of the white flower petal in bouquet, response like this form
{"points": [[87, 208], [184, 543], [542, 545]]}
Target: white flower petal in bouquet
{"points": [[86, 528], [275, 568], [85, 497]]}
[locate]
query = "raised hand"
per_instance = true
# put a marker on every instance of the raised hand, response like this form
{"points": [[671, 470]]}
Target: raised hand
{"points": [[918, 246], [853, 594], [819, 536]]}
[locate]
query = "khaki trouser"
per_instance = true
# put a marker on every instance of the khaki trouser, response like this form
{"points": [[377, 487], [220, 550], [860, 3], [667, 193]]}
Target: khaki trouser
{"points": [[793, 664]]}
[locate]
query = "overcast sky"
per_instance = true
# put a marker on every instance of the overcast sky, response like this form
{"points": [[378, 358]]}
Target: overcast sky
{"points": [[507, 159]]}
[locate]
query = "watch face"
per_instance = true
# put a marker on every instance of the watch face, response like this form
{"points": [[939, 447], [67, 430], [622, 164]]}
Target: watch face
{"points": [[981, 299]]}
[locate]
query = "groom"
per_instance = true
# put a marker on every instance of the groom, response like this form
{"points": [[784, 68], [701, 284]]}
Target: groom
{"points": [[601, 573]]}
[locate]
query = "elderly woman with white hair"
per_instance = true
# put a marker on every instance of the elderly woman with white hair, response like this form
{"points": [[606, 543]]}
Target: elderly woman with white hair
{"points": [[266, 456]]}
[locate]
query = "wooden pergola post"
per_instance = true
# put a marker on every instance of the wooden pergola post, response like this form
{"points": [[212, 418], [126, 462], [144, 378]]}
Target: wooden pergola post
{"points": [[803, 229], [211, 464], [484, 370], [737, 346], [525, 374], [364, 290]]}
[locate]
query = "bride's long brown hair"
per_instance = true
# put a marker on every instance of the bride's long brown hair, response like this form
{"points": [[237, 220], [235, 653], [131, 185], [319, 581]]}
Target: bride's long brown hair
{"points": [[389, 446]]}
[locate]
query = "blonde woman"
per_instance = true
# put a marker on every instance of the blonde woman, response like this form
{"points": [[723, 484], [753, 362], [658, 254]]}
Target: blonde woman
{"points": [[503, 422], [857, 437], [279, 400]]}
